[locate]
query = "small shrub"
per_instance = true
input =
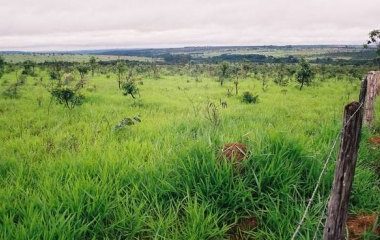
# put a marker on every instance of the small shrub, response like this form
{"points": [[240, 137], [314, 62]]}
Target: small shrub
{"points": [[91, 88], [281, 80], [137, 103], [83, 70], [229, 93], [55, 75], [224, 72], [39, 101], [129, 88], [11, 92], [4, 82], [265, 84], [21, 80], [68, 78], [248, 97], [68, 97], [28, 66], [127, 122], [212, 114], [304, 74]]}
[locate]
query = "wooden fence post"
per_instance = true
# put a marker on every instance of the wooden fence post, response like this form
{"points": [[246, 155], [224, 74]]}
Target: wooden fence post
{"points": [[344, 172], [363, 91], [373, 89]]}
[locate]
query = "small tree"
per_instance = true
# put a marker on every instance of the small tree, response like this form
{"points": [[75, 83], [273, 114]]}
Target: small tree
{"points": [[264, 82], [304, 74], [11, 91], [68, 93], [281, 78], [120, 70], [374, 39], [212, 114], [29, 66], [355, 74], [194, 71], [93, 65], [245, 68], [155, 69], [237, 72], [56, 72], [236, 83], [2, 66], [67, 96], [21, 79], [83, 70], [129, 87], [322, 72], [223, 72], [55, 75]]}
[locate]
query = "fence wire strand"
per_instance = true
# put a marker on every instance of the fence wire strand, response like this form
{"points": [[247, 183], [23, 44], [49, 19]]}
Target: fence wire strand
{"points": [[321, 219], [299, 225]]}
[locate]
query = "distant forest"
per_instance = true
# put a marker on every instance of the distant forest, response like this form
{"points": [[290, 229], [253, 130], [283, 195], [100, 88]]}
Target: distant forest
{"points": [[353, 55]]}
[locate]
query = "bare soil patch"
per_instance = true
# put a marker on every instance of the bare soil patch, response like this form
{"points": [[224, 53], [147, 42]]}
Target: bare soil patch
{"points": [[374, 140], [359, 224], [238, 231]]}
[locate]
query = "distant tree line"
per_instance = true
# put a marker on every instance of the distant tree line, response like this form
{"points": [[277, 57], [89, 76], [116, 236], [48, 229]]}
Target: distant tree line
{"points": [[182, 59]]}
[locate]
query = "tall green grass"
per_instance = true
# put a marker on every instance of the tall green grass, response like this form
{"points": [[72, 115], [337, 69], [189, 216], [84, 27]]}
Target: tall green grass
{"points": [[66, 174]]}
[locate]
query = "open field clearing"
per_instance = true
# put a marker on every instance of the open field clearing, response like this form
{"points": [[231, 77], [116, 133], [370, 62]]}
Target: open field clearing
{"points": [[81, 174]]}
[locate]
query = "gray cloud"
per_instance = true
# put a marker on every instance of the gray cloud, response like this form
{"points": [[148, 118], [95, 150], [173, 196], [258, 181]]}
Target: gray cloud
{"points": [[80, 24]]}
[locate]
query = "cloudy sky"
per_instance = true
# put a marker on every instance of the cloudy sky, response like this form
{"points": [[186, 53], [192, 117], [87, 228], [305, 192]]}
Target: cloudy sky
{"points": [[91, 24]]}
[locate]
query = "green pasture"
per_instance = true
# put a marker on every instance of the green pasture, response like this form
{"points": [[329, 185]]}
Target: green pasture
{"points": [[68, 174]]}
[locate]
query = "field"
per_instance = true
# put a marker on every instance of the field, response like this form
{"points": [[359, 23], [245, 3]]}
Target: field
{"points": [[70, 174]]}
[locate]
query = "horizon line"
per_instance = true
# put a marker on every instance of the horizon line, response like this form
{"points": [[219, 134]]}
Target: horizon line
{"points": [[174, 47]]}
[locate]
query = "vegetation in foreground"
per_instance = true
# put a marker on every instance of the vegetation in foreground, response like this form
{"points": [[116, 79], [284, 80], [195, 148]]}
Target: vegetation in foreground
{"points": [[144, 162]]}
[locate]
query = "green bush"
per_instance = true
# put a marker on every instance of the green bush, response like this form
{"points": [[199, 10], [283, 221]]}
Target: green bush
{"points": [[249, 98], [21, 80], [11, 92], [129, 88], [127, 122], [55, 75], [68, 97]]}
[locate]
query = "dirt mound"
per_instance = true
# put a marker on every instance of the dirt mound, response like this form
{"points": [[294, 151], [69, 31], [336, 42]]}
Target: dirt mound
{"points": [[237, 232], [235, 151], [359, 224], [374, 141]]}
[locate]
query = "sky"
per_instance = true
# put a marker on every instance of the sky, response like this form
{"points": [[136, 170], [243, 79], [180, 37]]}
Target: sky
{"points": [[104, 24]]}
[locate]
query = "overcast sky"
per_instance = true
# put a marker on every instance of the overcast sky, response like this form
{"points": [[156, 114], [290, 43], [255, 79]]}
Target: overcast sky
{"points": [[91, 24]]}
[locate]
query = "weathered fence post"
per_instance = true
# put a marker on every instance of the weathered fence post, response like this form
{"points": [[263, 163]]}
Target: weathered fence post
{"points": [[363, 91], [373, 89], [344, 172]]}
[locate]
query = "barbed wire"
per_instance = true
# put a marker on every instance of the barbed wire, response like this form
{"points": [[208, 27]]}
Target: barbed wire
{"points": [[321, 218], [299, 225]]}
